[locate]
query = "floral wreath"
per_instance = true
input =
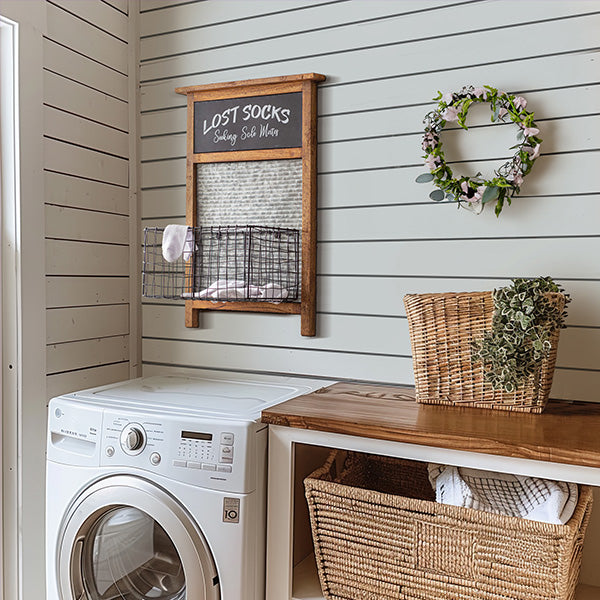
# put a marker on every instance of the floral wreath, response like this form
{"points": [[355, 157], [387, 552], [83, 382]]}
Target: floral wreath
{"points": [[475, 192]]}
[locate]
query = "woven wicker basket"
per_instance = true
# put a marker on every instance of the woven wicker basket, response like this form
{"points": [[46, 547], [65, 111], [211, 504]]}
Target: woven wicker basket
{"points": [[376, 539], [442, 330]]}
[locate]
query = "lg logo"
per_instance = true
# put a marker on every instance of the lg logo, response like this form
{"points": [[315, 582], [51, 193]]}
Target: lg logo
{"points": [[231, 510]]}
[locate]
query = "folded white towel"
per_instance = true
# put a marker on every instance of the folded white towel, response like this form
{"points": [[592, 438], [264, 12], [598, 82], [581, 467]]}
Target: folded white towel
{"points": [[235, 288], [177, 240], [229, 288], [531, 498], [272, 291]]}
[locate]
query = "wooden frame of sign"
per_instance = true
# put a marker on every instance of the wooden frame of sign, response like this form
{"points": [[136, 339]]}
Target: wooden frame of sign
{"points": [[298, 140]]}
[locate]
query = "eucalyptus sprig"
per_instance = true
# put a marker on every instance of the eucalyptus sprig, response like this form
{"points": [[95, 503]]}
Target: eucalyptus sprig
{"points": [[474, 192], [525, 318]]}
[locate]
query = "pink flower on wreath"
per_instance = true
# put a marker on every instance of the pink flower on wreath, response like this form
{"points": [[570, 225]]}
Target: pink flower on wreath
{"points": [[529, 131], [476, 197], [478, 194], [450, 114], [520, 102], [502, 112], [535, 153], [432, 162], [480, 92], [429, 141], [517, 178], [448, 97]]}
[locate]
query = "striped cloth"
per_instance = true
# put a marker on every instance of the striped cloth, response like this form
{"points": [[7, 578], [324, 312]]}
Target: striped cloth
{"points": [[501, 493]]}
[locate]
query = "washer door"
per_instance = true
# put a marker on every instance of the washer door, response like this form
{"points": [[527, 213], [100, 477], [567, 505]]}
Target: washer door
{"points": [[125, 538]]}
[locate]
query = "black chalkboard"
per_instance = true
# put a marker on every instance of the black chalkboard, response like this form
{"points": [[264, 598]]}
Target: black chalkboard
{"points": [[254, 123]]}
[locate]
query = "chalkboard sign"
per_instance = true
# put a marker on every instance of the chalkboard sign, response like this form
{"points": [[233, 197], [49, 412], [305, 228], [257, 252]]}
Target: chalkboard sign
{"points": [[252, 158], [254, 123]]}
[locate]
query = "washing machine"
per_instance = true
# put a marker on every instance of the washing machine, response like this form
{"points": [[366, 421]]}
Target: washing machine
{"points": [[156, 489]]}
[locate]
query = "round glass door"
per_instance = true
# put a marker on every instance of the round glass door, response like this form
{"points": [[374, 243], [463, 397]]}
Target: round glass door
{"points": [[127, 539], [128, 555]]}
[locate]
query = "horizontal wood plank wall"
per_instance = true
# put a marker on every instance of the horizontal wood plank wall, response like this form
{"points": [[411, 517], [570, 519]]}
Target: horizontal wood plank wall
{"points": [[87, 193], [379, 235]]}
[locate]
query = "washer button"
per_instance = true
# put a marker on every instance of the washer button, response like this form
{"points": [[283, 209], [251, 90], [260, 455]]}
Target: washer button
{"points": [[155, 458], [224, 468], [179, 463], [227, 439], [226, 454], [110, 451], [194, 465], [209, 466]]}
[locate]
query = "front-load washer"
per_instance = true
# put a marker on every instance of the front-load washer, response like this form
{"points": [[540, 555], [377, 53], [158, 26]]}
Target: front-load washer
{"points": [[155, 489]]}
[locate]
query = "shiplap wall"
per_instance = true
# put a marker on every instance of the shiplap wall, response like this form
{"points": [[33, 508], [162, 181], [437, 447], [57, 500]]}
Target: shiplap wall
{"points": [[379, 234], [89, 197], [77, 215]]}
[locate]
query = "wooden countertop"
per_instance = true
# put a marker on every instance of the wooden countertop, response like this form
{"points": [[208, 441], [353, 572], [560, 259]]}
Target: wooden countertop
{"points": [[566, 432]]}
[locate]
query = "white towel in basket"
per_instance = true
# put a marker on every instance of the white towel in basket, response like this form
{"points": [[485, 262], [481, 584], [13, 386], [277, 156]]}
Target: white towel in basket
{"points": [[234, 288], [229, 288], [531, 498], [177, 240], [272, 291]]}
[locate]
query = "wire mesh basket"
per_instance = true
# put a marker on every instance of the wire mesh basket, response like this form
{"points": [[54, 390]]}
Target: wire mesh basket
{"points": [[229, 263]]}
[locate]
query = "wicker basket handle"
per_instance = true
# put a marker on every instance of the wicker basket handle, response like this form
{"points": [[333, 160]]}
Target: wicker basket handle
{"points": [[337, 464]]}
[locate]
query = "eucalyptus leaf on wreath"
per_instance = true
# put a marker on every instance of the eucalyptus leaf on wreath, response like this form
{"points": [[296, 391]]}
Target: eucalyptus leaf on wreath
{"points": [[424, 178], [437, 195], [491, 193]]}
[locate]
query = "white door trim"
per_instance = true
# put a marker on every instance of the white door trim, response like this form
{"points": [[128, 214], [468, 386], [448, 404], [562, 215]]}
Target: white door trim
{"points": [[10, 303]]}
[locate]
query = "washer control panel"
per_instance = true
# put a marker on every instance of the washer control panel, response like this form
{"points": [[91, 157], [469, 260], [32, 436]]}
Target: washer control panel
{"points": [[206, 452]]}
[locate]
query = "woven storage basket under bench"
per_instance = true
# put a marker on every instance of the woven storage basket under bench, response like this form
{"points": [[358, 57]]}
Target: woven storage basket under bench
{"points": [[379, 535]]}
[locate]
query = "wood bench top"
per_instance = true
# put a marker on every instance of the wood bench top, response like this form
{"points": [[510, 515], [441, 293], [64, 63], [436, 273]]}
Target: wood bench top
{"points": [[566, 432]]}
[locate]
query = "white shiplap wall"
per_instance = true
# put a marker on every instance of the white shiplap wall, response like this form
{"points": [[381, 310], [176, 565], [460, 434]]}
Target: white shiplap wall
{"points": [[379, 234], [77, 79], [89, 177]]}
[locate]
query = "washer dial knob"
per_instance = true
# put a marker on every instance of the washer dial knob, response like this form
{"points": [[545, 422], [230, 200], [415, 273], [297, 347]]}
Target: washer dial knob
{"points": [[133, 439]]}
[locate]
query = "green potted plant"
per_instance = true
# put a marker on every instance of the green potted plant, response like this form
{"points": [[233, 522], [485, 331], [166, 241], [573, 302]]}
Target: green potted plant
{"points": [[487, 349], [527, 316]]}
